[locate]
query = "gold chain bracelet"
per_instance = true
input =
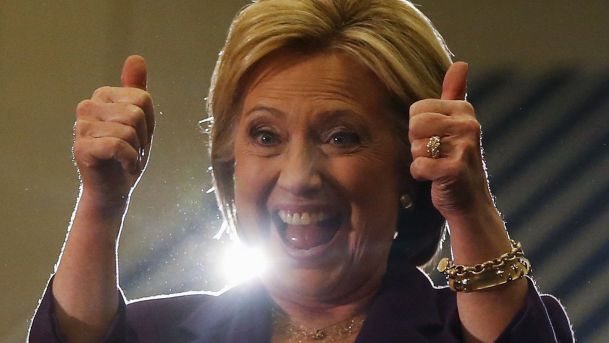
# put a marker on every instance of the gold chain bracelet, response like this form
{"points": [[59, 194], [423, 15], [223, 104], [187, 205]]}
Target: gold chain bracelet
{"points": [[498, 271]]}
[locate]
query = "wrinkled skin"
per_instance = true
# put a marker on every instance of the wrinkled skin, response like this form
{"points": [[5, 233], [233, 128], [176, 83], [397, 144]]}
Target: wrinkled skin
{"points": [[312, 132]]}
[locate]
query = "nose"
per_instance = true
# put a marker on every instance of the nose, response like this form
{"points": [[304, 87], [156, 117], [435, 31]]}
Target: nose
{"points": [[300, 169]]}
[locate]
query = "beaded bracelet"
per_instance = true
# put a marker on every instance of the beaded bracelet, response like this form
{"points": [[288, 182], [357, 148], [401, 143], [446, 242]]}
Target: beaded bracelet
{"points": [[498, 271]]}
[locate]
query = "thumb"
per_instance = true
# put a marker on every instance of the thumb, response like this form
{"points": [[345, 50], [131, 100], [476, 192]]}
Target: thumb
{"points": [[134, 72], [454, 86]]}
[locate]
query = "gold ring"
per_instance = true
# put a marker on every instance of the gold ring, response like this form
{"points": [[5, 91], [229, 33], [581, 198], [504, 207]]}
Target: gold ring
{"points": [[433, 147]]}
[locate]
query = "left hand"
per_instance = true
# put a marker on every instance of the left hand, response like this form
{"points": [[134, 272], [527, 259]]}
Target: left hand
{"points": [[459, 182]]}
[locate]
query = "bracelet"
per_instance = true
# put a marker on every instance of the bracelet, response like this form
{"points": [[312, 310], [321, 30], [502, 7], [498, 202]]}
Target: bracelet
{"points": [[498, 271]]}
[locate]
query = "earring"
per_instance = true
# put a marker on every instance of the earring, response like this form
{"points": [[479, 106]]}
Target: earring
{"points": [[406, 201]]}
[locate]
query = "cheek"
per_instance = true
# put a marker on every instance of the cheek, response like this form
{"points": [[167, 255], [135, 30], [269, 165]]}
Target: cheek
{"points": [[246, 172], [371, 187], [251, 180], [372, 193], [371, 177]]}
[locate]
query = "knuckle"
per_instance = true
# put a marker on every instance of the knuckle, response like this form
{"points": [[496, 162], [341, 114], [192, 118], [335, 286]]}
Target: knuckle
{"points": [[416, 125], [415, 169], [107, 146], [413, 123], [416, 164], [102, 91], [472, 125], [116, 148], [84, 108], [131, 132], [135, 113], [466, 107], [83, 152], [143, 98], [127, 114], [417, 148], [130, 135], [468, 147], [115, 145], [416, 107]]}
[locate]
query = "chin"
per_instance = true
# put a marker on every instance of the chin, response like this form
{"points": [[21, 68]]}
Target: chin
{"points": [[335, 280], [308, 284]]}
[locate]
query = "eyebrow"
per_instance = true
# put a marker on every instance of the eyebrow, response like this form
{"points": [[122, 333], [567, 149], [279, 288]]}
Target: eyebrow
{"points": [[273, 111], [326, 115]]}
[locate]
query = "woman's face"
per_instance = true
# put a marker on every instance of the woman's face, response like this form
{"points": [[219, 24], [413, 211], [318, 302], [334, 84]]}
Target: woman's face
{"points": [[316, 174]]}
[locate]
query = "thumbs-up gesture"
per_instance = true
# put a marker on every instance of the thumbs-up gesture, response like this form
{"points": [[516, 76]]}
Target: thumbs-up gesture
{"points": [[454, 161], [113, 133]]}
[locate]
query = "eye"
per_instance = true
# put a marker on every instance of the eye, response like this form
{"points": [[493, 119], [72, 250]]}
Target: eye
{"points": [[264, 136], [344, 139]]}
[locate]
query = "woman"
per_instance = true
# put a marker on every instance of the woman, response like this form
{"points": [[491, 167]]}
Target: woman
{"points": [[341, 142]]}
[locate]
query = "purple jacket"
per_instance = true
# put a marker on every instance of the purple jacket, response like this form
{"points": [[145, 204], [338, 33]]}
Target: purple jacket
{"points": [[406, 309]]}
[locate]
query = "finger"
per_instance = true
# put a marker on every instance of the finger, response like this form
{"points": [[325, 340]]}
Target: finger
{"points": [[454, 86], [447, 108], [426, 125], [429, 169], [457, 155], [92, 152], [433, 124], [134, 73], [123, 113], [135, 96], [418, 147], [85, 129]]}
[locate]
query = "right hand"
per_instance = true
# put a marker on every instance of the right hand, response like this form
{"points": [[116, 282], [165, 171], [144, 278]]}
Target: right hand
{"points": [[112, 135]]}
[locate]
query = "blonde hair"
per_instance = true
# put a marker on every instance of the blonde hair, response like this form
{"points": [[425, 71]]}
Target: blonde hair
{"points": [[391, 37]]}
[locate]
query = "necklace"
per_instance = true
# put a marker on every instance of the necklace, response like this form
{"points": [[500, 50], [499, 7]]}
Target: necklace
{"points": [[296, 333]]}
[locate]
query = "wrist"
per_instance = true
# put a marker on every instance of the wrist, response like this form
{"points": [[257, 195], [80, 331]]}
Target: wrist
{"points": [[478, 236], [108, 205], [475, 219], [102, 215]]}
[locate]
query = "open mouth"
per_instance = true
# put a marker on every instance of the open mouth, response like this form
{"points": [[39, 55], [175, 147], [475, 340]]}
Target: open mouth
{"points": [[307, 230]]}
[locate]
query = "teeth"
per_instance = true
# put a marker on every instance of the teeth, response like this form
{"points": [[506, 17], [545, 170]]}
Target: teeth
{"points": [[303, 218]]}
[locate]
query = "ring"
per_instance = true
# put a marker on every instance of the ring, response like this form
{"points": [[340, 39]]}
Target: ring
{"points": [[433, 147]]}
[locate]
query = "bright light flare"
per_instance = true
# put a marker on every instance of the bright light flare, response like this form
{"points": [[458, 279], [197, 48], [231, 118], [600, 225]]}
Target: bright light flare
{"points": [[242, 263]]}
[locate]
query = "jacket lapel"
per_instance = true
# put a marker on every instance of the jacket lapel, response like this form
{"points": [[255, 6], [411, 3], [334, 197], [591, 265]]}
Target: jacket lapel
{"points": [[409, 309]]}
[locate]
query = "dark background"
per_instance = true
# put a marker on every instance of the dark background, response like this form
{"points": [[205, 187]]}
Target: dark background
{"points": [[539, 81]]}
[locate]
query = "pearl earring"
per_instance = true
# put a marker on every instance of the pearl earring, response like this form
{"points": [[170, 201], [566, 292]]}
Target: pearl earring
{"points": [[406, 201]]}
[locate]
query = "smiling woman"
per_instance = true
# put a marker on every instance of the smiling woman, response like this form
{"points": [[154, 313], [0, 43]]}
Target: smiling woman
{"points": [[324, 112], [302, 151]]}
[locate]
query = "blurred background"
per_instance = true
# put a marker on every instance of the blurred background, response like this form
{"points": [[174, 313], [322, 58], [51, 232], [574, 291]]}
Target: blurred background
{"points": [[539, 81]]}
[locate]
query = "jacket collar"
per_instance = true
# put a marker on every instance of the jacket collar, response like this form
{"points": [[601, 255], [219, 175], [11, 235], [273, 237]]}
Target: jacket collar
{"points": [[407, 306]]}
